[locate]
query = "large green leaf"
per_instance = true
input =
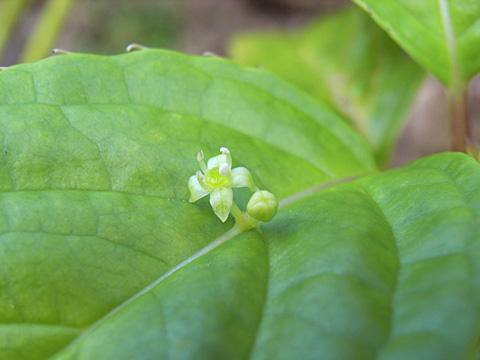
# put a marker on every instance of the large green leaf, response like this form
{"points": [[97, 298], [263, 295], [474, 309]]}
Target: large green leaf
{"points": [[442, 35], [102, 258], [96, 156], [348, 61], [386, 267]]}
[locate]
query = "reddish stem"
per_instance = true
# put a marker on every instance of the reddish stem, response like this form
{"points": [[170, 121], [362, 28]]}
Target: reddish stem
{"points": [[459, 120]]}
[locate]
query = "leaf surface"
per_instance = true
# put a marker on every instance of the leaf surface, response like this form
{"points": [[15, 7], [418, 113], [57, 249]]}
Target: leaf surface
{"points": [[385, 267], [97, 239], [96, 154], [442, 35], [346, 60]]}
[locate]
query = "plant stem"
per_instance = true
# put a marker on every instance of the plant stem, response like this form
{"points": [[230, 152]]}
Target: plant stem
{"points": [[10, 11], [459, 120], [243, 221], [236, 212], [46, 30]]}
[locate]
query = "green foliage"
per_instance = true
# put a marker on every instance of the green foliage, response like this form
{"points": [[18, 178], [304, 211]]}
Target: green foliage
{"points": [[107, 123], [350, 63], [10, 11], [443, 36], [93, 208], [45, 30], [354, 272], [103, 257]]}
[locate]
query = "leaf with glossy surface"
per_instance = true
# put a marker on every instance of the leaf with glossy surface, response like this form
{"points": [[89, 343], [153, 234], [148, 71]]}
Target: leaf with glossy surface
{"points": [[385, 267], [346, 60], [442, 35], [102, 257], [96, 156]]}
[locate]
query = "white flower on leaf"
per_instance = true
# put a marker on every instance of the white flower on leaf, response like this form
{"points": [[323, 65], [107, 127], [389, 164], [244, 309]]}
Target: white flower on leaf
{"points": [[217, 178]]}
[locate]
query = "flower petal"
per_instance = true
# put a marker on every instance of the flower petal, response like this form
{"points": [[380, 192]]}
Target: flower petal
{"points": [[216, 161], [221, 201], [196, 190], [242, 178]]}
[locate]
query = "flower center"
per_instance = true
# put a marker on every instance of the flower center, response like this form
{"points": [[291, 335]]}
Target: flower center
{"points": [[214, 178]]}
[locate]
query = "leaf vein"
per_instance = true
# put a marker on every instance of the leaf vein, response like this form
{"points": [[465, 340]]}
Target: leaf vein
{"points": [[217, 242], [263, 308], [87, 236], [399, 268]]}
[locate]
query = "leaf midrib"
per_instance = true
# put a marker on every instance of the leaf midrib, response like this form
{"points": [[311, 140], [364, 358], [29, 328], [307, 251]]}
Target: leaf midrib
{"points": [[234, 231], [138, 251], [451, 43], [217, 242], [229, 235], [262, 310]]}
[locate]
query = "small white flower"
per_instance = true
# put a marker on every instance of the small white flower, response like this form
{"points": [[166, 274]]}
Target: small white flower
{"points": [[217, 178]]}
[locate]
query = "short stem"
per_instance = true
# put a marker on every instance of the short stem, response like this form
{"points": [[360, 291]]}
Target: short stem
{"points": [[236, 212], [459, 120], [243, 221]]}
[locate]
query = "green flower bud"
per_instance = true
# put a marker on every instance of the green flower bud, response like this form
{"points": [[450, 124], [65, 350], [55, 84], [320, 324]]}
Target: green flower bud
{"points": [[262, 206]]}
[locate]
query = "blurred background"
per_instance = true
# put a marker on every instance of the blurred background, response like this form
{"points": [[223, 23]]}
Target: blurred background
{"points": [[29, 29], [192, 26]]}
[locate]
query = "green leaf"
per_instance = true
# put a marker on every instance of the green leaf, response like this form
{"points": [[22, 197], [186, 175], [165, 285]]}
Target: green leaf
{"points": [[132, 123], [96, 154], [443, 35], [347, 61], [103, 258], [385, 267]]}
